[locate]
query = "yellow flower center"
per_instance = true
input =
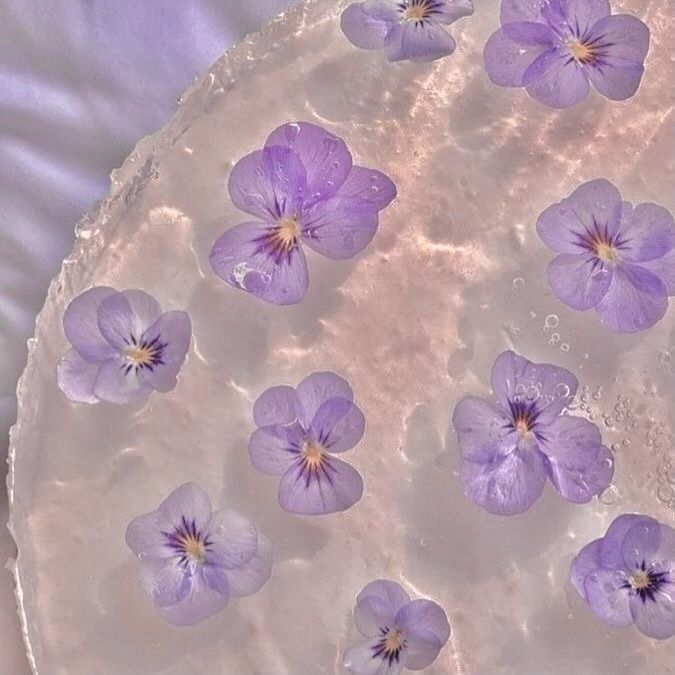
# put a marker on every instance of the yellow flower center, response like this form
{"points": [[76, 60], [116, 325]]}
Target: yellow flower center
{"points": [[523, 428], [605, 251], [312, 456], [582, 52], [287, 232], [393, 641], [640, 580], [193, 547], [140, 355]]}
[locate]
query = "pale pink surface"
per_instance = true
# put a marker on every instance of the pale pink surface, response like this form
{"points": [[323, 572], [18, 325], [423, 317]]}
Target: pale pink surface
{"points": [[454, 276]]}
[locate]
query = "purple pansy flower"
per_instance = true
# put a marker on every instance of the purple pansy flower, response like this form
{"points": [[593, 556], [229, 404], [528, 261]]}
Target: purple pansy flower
{"points": [[400, 632], [192, 561], [299, 432], [628, 576], [510, 447], [301, 187], [556, 48], [407, 30], [124, 346], [616, 258]]}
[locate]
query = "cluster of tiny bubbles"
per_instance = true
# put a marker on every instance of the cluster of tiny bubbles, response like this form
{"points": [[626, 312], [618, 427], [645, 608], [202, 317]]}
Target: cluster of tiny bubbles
{"points": [[610, 495], [518, 283]]}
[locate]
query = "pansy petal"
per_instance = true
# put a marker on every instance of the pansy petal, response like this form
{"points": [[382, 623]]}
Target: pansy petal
{"points": [[664, 269], [521, 10], [583, 14], [580, 485], [484, 432], [426, 629], [269, 183], [556, 81], [274, 448], [384, 10], [338, 425], [336, 486], [655, 619], [505, 487], [616, 80], [648, 234], [393, 43], [201, 603], [506, 60], [76, 377], [80, 324], [242, 258], [275, 405], [608, 596], [233, 540], [165, 581], [315, 390], [449, 11], [636, 299], [117, 383], [564, 227], [585, 562], [174, 331], [361, 29], [145, 536], [216, 578], [571, 442], [580, 281], [325, 157], [341, 227], [123, 317], [252, 576], [424, 42], [369, 184], [187, 503], [640, 544], [551, 387], [611, 556], [377, 604], [363, 659], [622, 37]]}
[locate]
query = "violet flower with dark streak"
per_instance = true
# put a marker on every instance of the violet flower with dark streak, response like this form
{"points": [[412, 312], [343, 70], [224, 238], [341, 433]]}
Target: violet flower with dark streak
{"points": [[407, 30], [193, 560], [557, 48], [612, 257], [628, 576], [302, 188], [400, 632], [510, 447], [124, 346], [299, 432]]}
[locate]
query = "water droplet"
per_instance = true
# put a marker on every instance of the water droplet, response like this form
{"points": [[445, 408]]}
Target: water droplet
{"points": [[564, 347], [609, 496], [665, 358], [665, 493], [518, 283]]}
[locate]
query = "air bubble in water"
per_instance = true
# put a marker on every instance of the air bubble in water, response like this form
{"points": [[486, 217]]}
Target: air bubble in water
{"points": [[518, 283], [551, 321]]}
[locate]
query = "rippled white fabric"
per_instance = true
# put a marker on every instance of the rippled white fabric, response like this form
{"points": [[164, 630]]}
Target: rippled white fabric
{"points": [[81, 82]]}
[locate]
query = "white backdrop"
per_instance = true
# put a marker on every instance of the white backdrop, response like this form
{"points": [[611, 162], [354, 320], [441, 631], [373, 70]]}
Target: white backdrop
{"points": [[81, 82]]}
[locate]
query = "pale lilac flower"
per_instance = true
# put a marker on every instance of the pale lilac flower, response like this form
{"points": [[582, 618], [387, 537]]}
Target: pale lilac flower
{"points": [[193, 560], [123, 346], [301, 188], [400, 632], [616, 258], [628, 576], [511, 446], [557, 48], [407, 30], [299, 432]]}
